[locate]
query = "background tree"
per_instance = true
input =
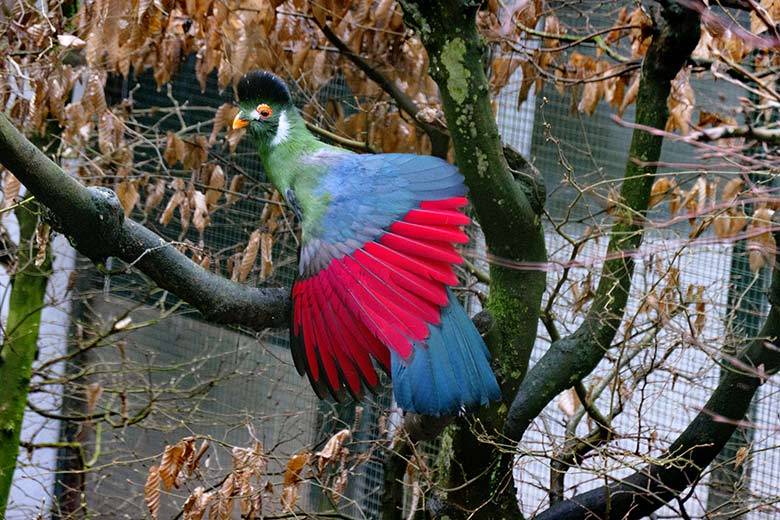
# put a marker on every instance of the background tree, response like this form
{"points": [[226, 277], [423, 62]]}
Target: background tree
{"points": [[59, 59]]}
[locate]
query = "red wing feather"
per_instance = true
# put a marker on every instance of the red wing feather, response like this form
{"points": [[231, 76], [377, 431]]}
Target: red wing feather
{"points": [[382, 296]]}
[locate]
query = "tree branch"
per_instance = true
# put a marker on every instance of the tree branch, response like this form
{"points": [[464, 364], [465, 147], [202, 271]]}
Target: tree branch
{"points": [[761, 134], [342, 141], [93, 219], [681, 466], [507, 201], [571, 358]]}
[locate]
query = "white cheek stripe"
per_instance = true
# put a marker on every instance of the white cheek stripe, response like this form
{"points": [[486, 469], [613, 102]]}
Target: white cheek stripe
{"points": [[283, 131]]}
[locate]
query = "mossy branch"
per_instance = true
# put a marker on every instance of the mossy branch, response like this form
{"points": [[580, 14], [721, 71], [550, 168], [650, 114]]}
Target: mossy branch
{"points": [[28, 290], [506, 199], [571, 358]]}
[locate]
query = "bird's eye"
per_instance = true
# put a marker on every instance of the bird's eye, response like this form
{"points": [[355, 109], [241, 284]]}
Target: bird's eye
{"points": [[264, 111]]}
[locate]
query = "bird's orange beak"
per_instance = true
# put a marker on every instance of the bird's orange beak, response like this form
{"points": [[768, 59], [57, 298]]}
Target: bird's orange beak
{"points": [[238, 122]]}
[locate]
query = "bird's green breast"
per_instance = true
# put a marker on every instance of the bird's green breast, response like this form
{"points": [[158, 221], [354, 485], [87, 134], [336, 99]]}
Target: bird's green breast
{"points": [[289, 168]]}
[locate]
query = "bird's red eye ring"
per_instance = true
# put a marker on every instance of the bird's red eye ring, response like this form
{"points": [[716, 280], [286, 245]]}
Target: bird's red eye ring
{"points": [[265, 111]]}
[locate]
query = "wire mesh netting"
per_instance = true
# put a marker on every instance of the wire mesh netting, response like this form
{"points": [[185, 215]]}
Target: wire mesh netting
{"points": [[657, 378], [176, 376], [154, 373]]}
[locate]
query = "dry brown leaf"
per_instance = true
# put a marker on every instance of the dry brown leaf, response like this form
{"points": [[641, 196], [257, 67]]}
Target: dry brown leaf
{"points": [[299, 57], [128, 196], [761, 247], [568, 402], [266, 256], [762, 217], [174, 202], [701, 317], [257, 461], [188, 444], [641, 35], [661, 187], [42, 235], [502, 69], [740, 456], [154, 195], [11, 187], [649, 302], [249, 256], [241, 458], [193, 463], [233, 265], [675, 200], [70, 41], [756, 257], [525, 13], [216, 187], [94, 391], [95, 93], [630, 95], [382, 12], [223, 118], [738, 222], [696, 198], [582, 293], [613, 199], [234, 137], [332, 449], [245, 492], [256, 510], [196, 152], [339, 485], [731, 190], [721, 224], [175, 149], [770, 10], [714, 119], [152, 491], [292, 479], [236, 185], [222, 509], [592, 93], [681, 103], [171, 464], [195, 506], [200, 216]]}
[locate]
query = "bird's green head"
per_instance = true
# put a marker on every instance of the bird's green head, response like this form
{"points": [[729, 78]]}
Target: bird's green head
{"points": [[266, 107]]}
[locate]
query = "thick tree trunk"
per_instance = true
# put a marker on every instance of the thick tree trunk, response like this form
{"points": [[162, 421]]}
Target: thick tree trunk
{"points": [[512, 226]]}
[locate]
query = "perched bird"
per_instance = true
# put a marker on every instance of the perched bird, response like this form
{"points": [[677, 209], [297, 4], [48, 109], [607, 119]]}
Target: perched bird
{"points": [[375, 263]]}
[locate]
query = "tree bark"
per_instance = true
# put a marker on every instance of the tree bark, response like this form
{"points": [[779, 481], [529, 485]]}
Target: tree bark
{"points": [[28, 290], [512, 226]]}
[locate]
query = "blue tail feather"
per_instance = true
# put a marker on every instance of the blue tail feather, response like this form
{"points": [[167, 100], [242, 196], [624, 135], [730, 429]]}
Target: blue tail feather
{"points": [[451, 371]]}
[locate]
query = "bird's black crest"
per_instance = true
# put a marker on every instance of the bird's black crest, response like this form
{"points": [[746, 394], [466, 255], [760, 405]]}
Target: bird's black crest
{"points": [[261, 85]]}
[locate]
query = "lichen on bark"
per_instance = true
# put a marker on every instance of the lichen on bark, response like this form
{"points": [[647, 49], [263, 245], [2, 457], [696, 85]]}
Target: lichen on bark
{"points": [[512, 229], [452, 56]]}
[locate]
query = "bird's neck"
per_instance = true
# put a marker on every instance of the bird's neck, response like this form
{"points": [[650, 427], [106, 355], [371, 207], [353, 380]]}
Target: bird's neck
{"points": [[282, 157]]}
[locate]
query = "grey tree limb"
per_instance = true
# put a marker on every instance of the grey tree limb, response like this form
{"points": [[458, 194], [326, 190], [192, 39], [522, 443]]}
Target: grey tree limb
{"points": [[93, 219]]}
